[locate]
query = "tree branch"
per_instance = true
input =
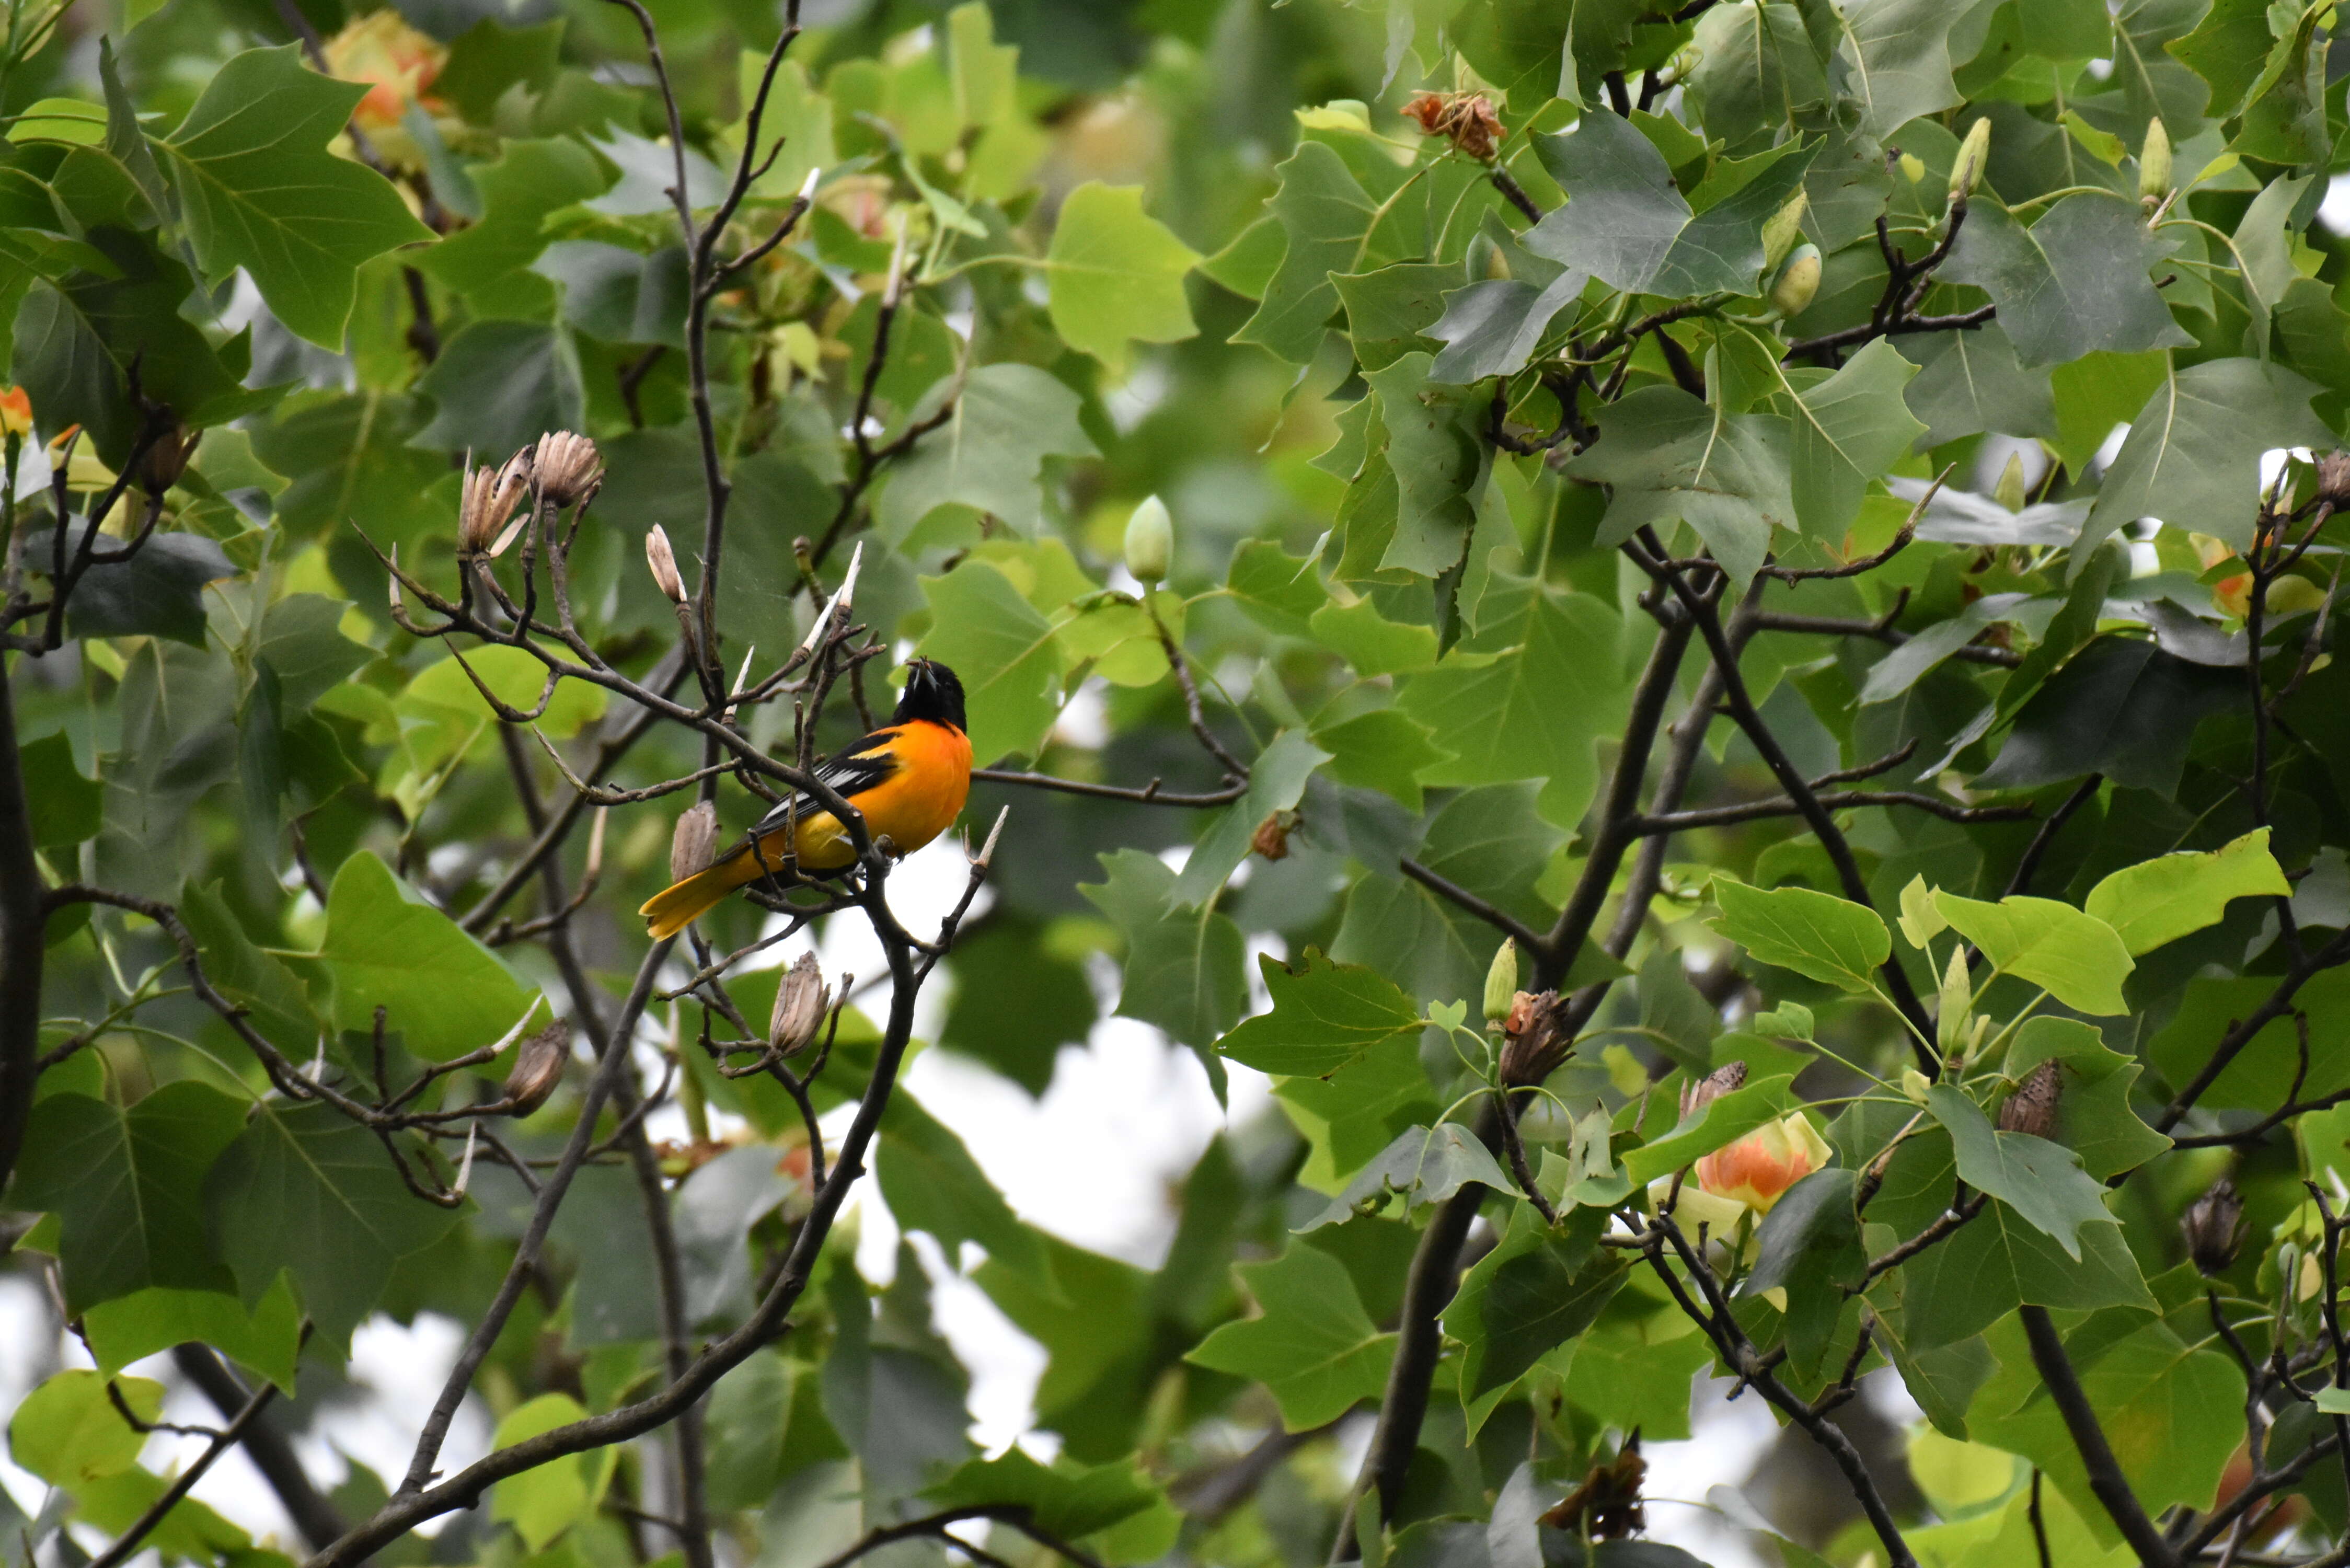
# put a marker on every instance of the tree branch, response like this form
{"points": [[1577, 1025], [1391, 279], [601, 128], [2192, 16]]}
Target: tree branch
{"points": [[2105, 1477], [24, 929], [264, 1445]]}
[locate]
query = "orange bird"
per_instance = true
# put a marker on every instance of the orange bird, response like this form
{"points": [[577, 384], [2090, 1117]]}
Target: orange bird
{"points": [[908, 779]]}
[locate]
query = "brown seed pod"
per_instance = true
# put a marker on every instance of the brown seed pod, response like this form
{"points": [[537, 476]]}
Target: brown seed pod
{"points": [[568, 468], [695, 843], [538, 1067], [2213, 1226], [1722, 1081], [2032, 1107], [800, 1005]]}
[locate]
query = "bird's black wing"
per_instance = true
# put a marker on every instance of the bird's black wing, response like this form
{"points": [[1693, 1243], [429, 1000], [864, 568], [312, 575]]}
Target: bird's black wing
{"points": [[852, 770]]}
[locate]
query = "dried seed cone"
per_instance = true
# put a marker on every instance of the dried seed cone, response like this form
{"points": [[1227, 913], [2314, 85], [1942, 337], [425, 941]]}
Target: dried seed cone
{"points": [[2213, 1227], [663, 562], [800, 1003], [1535, 1039], [538, 1067], [2333, 479], [2032, 1107], [488, 500], [568, 467], [694, 843]]}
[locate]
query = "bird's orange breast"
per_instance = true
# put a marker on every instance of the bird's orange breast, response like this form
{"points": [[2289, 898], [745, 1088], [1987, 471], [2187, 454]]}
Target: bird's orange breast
{"points": [[918, 800]]}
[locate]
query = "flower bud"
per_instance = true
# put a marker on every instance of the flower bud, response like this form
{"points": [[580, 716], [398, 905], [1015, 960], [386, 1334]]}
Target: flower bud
{"points": [[1502, 982], [800, 1003], [1758, 1169], [1535, 1038], [1703, 1092], [2032, 1107], [1915, 1085], [486, 501], [695, 843], [1149, 541], [2154, 162], [2333, 479], [538, 1067], [2213, 1224], [167, 458], [1913, 168], [2010, 492], [568, 468], [15, 410], [1967, 172], [1798, 281], [663, 562], [1784, 227]]}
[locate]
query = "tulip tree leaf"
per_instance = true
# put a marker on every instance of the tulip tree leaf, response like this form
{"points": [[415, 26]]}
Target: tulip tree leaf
{"points": [[1183, 966], [2162, 900], [1847, 429], [1113, 272], [261, 191], [126, 1187], [1326, 1016], [2122, 707], [990, 453], [303, 1190], [1425, 1164], [1312, 1344], [1529, 1295], [1815, 934], [2074, 282], [932, 1184], [1669, 457], [2078, 959], [2094, 1115], [2042, 1181], [441, 990]]}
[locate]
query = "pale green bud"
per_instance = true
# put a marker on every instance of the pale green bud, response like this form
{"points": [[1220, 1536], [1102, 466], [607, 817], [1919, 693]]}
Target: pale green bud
{"points": [[1501, 981], [1798, 281], [1914, 1084], [1149, 541], [1783, 228], [1913, 168], [2154, 162], [2008, 493], [1967, 172]]}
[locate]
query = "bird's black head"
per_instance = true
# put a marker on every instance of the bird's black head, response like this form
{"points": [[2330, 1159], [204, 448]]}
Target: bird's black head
{"points": [[931, 692]]}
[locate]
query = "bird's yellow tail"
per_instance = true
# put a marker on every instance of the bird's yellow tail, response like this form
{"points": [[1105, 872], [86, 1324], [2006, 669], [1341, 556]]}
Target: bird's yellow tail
{"points": [[672, 909]]}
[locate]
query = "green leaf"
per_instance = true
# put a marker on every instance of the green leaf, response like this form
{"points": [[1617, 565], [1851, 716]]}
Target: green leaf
{"points": [[1364, 1106], [68, 1432], [2074, 282], [261, 191], [1183, 970], [1848, 429], [1672, 458], [1896, 56], [1326, 1016], [1276, 781], [1723, 1121], [2162, 900], [441, 990], [489, 57], [1970, 382], [1018, 999], [1535, 1292], [2043, 1182], [544, 1502], [1625, 223], [277, 1003], [990, 455], [1998, 1260], [1809, 1246], [134, 1327], [619, 295], [932, 1184], [1393, 311], [351, 463], [306, 1192], [126, 1187], [1370, 642], [2074, 957], [2122, 706], [1825, 938], [159, 592], [1385, 749], [1537, 712], [1004, 652], [1070, 1501], [1423, 1165], [63, 806], [499, 386], [1279, 591], [489, 262], [1492, 328], [2192, 456], [1312, 1344], [1329, 222], [1439, 461], [1115, 273]]}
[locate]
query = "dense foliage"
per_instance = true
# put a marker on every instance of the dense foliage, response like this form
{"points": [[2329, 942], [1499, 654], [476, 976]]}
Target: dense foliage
{"points": [[1741, 617]]}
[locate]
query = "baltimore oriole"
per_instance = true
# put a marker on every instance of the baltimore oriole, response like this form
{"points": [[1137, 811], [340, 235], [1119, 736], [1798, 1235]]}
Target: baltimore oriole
{"points": [[908, 780]]}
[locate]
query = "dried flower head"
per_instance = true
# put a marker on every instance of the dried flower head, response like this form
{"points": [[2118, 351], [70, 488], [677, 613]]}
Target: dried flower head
{"points": [[1270, 838], [488, 501], [663, 562], [1606, 1506], [1535, 1038], [538, 1067], [2333, 478], [2032, 1107], [800, 1005], [1464, 119], [2213, 1226], [568, 468], [1697, 1095], [694, 843]]}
